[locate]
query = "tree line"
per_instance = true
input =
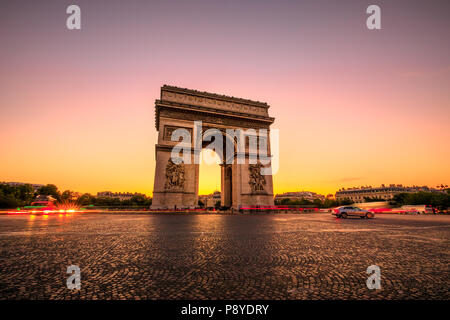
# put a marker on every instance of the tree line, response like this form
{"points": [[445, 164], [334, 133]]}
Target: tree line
{"points": [[23, 195], [440, 200], [135, 201], [16, 196], [317, 203]]}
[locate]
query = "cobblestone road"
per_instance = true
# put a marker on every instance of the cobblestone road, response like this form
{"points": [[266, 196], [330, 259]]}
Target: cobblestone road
{"points": [[284, 256]]}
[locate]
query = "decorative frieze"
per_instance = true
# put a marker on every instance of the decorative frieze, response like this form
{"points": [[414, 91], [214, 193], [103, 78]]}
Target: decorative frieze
{"points": [[200, 99], [209, 118]]}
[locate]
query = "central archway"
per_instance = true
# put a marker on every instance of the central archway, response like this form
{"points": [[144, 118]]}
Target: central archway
{"points": [[226, 171], [210, 175]]}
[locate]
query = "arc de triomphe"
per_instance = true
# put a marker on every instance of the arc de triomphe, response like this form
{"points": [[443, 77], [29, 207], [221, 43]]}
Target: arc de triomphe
{"points": [[242, 184]]}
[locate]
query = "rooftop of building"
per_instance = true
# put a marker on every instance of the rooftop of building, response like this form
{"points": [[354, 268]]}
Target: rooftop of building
{"points": [[383, 186]]}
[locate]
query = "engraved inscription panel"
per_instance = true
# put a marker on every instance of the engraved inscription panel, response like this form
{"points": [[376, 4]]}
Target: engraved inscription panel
{"points": [[213, 103], [168, 130]]}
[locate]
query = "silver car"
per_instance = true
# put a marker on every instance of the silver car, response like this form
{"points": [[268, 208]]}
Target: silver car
{"points": [[349, 211]]}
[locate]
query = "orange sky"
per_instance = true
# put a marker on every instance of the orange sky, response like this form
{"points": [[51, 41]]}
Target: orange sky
{"points": [[353, 106]]}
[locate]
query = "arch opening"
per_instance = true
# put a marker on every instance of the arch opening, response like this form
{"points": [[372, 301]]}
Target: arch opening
{"points": [[209, 177], [217, 149]]}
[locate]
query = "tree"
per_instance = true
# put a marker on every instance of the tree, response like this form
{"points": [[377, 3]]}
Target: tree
{"points": [[67, 195], [439, 200], [25, 194], [50, 190], [345, 202], [15, 196], [318, 203], [86, 199], [8, 201], [329, 203], [305, 202], [139, 200]]}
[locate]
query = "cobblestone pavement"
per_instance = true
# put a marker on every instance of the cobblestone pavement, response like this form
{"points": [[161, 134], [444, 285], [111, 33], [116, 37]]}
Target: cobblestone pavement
{"points": [[284, 256]]}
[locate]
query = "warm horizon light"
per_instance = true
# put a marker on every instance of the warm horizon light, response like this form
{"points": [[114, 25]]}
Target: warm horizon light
{"points": [[354, 107]]}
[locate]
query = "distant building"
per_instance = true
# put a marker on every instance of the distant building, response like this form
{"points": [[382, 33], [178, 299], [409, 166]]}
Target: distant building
{"points": [[120, 195], [15, 184], [300, 195], [44, 198], [358, 194], [210, 200]]}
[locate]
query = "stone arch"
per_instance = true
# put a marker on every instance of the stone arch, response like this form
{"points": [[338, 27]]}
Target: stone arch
{"points": [[241, 184]]}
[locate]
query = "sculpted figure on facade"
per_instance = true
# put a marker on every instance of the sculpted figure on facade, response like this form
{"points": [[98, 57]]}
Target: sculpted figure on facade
{"points": [[256, 180], [174, 175]]}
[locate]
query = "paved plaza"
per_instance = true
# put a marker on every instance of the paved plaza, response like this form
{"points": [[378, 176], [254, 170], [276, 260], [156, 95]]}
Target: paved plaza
{"points": [[199, 256]]}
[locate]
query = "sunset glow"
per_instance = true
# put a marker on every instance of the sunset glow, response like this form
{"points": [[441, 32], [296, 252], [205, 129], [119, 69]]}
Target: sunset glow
{"points": [[354, 107]]}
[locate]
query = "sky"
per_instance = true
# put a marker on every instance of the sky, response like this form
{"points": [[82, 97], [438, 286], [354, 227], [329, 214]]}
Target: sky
{"points": [[354, 106]]}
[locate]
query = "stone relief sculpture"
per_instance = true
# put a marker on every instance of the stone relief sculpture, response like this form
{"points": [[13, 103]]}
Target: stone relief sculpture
{"points": [[174, 175], [256, 181]]}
